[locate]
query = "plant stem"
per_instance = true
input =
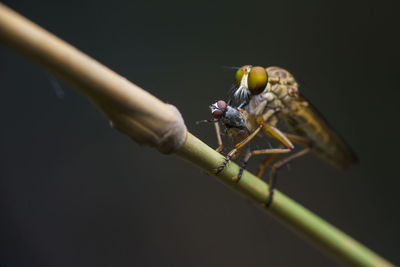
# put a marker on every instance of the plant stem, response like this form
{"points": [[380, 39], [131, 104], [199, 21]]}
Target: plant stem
{"points": [[161, 126], [301, 220]]}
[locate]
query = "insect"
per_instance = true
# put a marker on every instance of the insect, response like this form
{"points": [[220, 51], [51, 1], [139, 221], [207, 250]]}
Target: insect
{"points": [[265, 96]]}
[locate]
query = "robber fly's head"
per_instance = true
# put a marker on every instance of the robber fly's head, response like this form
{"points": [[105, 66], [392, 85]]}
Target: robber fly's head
{"points": [[250, 81], [231, 117]]}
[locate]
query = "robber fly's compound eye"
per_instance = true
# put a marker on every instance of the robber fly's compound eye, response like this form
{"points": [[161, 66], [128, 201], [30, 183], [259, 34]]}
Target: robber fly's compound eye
{"points": [[257, 80], [240, 72]]}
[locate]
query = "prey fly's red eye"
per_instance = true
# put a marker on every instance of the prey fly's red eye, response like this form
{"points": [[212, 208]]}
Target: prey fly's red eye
{"points": [[217, 114], [221, 104], [218, 109]]}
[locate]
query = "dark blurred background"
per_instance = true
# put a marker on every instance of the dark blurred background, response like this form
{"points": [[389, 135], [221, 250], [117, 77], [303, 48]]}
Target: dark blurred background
{"points": [[75, 192]]}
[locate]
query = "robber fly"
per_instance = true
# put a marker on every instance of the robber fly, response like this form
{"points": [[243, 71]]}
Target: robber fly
{"points": [[263, 97]]}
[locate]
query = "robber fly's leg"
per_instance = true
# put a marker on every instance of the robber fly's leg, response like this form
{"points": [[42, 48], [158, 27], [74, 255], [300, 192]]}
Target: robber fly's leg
{"points": [[286, 140], [279, 164], [299, 140], [219, 138], [291, 137], [244, 163], [276, 166], [273, 151], [238, 147], [227, 159], [265, 163], [279, 135]]}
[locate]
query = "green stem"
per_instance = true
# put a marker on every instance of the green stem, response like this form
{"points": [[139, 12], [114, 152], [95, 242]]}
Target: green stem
{"points": [[286, 210]]}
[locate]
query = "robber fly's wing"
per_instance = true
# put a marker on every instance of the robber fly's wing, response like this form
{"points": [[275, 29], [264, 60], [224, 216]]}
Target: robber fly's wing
{"points": [[306, 121]]}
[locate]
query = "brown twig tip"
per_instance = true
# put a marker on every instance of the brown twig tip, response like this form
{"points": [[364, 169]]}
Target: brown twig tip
{"points": [[167, 135], [132, 110]]}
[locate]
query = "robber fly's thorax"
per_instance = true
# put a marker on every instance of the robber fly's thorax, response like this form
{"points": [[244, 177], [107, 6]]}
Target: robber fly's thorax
{"points": [[276, 98]]}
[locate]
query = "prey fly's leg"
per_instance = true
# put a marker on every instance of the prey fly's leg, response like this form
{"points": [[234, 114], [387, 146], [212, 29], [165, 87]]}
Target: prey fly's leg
{"points": [[219, 138], [279, 164], [217, 131], [238, 147]]}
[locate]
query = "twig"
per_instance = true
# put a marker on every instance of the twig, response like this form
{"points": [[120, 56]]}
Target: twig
{"points": [[149, 121]]}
